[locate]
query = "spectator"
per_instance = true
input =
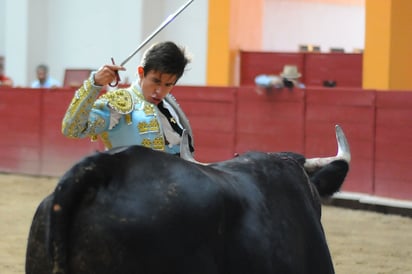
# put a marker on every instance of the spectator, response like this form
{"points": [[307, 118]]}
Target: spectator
{"points": [[143, 114], [4, 80], [289, 78], [43, 78]]}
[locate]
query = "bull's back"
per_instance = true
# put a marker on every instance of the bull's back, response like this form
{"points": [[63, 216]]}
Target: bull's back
{"points": [[141, 211], [37, 254], [152, 213]]}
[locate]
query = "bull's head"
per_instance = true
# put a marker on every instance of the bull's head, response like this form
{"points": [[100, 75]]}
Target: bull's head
{"points": [[311, 164]]}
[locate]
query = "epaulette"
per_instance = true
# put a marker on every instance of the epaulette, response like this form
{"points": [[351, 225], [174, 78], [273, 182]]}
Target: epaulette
{"points": [[120, 100]]}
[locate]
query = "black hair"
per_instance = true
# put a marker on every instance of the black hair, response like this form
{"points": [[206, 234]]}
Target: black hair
{"points": [[43, 67], [165, 57]]}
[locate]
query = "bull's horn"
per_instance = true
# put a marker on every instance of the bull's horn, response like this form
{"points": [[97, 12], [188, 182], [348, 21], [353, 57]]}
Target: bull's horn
{"points": [[185, 151], [343, 153]]}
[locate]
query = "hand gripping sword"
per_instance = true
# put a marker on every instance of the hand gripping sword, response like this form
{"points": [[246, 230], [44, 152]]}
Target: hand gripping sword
{"points": [[169, 19]]}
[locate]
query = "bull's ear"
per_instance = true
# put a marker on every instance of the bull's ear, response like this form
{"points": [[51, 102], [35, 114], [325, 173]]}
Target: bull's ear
{"points": [[314, 164], [330, 178], [185, 149]]}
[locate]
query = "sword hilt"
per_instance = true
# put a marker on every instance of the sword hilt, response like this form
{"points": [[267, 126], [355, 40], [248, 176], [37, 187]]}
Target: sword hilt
{"points": [[114, 84]]}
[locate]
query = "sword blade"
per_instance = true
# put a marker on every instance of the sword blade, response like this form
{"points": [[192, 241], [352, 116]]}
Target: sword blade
{"points": [[169, 19]]}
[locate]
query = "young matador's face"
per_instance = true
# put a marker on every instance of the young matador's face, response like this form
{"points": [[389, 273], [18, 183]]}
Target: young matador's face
{"points": [[156, 85]]}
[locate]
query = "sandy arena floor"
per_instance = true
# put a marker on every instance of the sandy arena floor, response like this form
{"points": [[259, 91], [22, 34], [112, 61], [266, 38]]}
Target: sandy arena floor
{"points": [[360, 242]]}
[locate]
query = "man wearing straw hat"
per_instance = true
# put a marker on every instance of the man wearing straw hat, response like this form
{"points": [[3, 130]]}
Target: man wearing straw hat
{"points": [[289, 78], [291, 75]]}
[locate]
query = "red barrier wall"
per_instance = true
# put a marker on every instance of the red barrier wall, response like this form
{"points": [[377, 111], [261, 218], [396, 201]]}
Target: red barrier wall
{"points": [[393, 149], [20, 136], [31, 141], [253, 63], [343, 68], [235, 120], [269, 122], [211, 111]]}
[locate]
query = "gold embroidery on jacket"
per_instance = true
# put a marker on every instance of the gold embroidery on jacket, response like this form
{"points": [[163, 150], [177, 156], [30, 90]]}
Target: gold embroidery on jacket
{"points": [[152, 126], [148, 109], [146, 143], [158, 143], [128, 118], [74, 121], [104, 136], [120, 100]]}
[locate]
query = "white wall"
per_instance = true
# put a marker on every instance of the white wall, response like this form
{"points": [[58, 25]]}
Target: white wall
{"points": [[190, 29], [85, 34], [37, 35], [102, 29], [2, 26], [287, 24], [15, 40]]}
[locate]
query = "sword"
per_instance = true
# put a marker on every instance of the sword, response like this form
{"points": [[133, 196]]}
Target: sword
{"points": [[166, 22]]}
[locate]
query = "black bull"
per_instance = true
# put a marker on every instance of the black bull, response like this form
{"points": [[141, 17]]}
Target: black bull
{"points": [[136, 210]]}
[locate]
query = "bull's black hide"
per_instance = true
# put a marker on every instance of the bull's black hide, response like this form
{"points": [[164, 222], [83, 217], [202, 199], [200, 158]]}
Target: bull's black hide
{"points": [[141, 211]]}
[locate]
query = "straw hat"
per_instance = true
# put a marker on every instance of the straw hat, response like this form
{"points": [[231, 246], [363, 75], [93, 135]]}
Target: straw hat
{"points": [[290, 72]]}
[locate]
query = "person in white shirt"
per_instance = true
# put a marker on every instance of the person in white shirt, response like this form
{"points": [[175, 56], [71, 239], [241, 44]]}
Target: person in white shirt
{"points": [[44, 80]]}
